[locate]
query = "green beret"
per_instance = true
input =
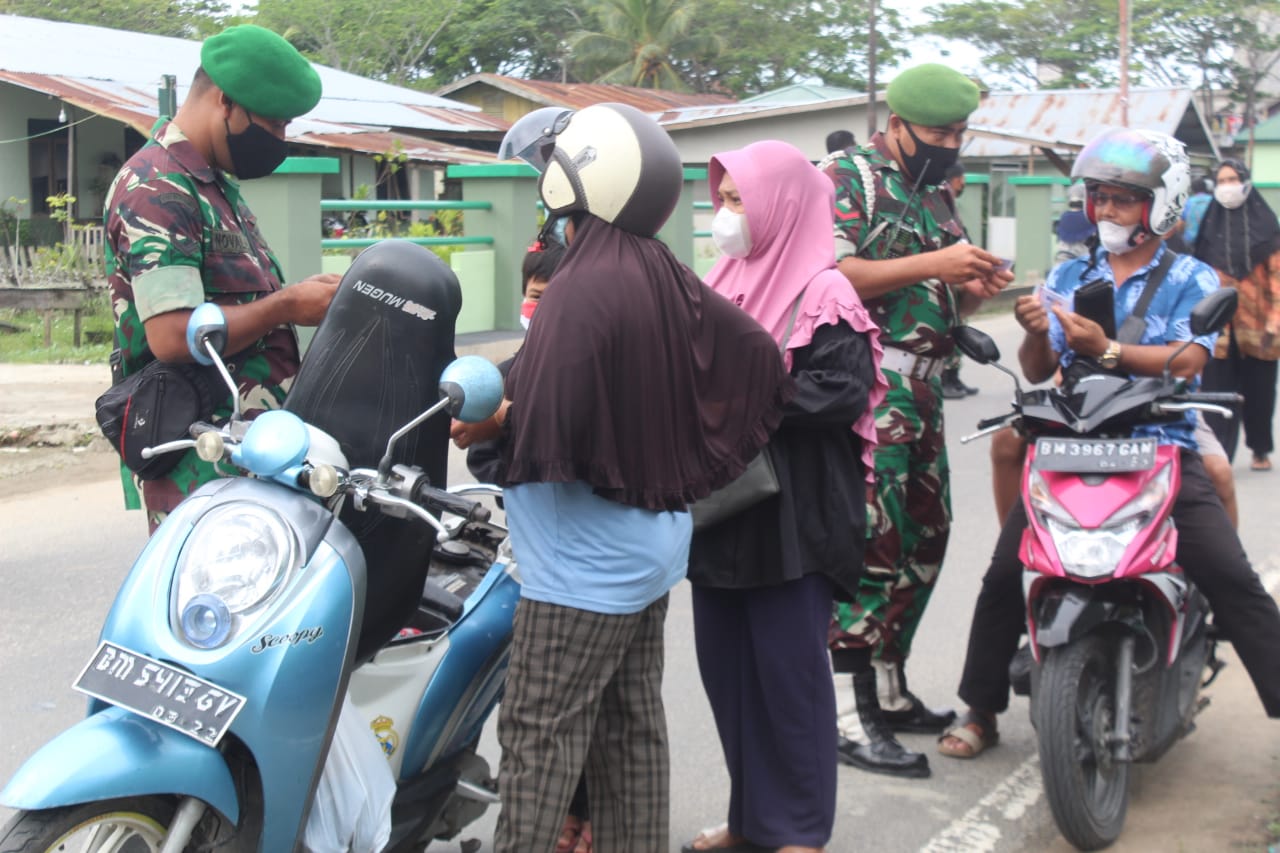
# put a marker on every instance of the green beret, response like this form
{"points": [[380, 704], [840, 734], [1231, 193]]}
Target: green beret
{"points": [[932, 95], [261, 72]]}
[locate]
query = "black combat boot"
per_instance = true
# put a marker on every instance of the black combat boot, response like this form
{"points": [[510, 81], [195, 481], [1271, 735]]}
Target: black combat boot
{"points": [[951, 386], [902, 709], [867, 742]]}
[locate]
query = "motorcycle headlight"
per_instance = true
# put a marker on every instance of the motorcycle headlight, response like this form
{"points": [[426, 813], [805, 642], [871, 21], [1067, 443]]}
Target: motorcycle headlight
{"points": [[1042, 501], [236, 561], [1094, 553]]}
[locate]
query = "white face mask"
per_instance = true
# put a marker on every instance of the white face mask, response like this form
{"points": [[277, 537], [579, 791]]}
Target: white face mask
{"points": [[1231, 196], [1117, 239], [730, 234]]}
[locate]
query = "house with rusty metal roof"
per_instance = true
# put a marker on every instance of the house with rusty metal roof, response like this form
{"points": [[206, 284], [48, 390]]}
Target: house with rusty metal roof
{"points": [[1014, 137], [77, 100], [1035, 132], [510, 98]]}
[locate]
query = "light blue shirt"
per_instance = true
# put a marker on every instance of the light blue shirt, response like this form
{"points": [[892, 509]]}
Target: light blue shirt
{"points": [[1168, 317], [1193, 214], [577, 549]]}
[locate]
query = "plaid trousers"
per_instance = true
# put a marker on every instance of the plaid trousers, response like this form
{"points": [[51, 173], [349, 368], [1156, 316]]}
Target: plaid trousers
{"points": [[584, 691]]}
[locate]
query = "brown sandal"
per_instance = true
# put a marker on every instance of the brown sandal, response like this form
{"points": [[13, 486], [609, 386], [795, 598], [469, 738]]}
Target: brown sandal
{"points": [[976, 733]]}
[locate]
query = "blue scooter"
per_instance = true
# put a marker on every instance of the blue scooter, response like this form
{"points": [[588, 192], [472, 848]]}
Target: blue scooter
{"points": [[235, 640]]}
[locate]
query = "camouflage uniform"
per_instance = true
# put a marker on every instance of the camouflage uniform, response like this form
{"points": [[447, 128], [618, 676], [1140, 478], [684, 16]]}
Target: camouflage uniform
{"points": [[179, 234], [909, 512]]}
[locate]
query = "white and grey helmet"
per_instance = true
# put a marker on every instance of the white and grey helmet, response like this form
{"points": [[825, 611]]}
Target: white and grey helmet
{"points": [[1153, 163], [609, 160]]}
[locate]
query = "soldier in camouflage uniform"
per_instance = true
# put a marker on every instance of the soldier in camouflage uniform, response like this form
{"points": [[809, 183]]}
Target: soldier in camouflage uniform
{"points": [[179, 234], [901, 246]]}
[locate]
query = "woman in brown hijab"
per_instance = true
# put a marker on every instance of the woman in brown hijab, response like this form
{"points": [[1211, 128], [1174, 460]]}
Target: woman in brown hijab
{"points": [[637, 391]]}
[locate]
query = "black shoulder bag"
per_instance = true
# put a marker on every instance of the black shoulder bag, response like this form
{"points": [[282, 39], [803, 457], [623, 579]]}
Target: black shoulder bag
{"points": [[757, 482], [156, 404]]}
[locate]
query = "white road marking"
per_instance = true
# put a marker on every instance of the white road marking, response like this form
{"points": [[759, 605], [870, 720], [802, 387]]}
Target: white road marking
{"points": [[978, 830]]}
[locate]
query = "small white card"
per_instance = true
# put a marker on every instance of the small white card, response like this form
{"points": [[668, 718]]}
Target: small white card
{"points": [[1049, 298]]}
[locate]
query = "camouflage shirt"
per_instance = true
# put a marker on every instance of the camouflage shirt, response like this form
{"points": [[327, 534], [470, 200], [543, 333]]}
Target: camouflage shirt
{"points": [[917, 317], [179, 234]]}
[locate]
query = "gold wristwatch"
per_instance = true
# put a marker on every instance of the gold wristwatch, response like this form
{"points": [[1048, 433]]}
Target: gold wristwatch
{"points": [[1111, 357]]}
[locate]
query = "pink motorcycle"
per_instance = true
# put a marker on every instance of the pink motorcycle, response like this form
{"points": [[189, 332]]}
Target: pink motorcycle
{"points": [[1120, 636]]}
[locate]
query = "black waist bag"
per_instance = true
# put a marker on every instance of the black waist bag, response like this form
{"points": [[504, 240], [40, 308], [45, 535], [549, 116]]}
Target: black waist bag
{"points": [[155, 405]]}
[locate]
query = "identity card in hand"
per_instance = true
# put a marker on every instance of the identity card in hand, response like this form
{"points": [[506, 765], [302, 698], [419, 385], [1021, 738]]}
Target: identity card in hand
{"points": [[1050, 298]]}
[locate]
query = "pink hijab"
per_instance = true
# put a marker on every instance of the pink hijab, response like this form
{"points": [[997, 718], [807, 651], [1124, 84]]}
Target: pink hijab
{"points": [[790, 209]]}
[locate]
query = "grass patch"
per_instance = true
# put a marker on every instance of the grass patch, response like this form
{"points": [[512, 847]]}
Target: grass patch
{"points": [[22, 335]]}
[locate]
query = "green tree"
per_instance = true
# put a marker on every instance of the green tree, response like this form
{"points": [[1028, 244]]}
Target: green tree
{"points": [[771, 43], [640, 43], [1064, 43], [425, 43], [178, 18], [388, 40]]}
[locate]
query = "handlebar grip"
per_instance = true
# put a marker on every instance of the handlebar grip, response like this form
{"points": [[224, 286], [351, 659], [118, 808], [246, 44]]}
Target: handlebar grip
{"points": [[1222, 398], [987, 423], [441, 501]]}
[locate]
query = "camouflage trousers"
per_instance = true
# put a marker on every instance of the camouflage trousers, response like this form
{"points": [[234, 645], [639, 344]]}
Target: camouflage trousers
{"points": [[908, 521], [162, 496]]}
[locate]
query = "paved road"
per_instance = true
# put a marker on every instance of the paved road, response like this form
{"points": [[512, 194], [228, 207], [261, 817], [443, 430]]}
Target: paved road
{"points": [[65, 547]]}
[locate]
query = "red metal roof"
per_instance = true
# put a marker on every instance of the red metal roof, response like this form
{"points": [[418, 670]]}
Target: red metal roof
{"points": [[128, 104], [578, 95]]}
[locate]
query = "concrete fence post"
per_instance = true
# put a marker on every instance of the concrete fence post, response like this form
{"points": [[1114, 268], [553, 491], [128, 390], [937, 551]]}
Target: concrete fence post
{"points": [[1035, 214], [512, 221]]}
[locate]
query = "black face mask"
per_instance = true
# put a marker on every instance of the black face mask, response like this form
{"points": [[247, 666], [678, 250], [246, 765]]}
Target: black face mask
{"points": [[255, 151], [930, 162]]}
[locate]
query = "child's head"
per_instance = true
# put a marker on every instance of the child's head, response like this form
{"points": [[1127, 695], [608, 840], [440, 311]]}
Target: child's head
{"points": [[535, 273], [536, 270]]}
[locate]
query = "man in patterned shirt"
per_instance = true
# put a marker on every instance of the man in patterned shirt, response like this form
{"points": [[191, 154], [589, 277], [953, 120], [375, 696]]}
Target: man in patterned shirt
{"points": [[1137, 183], [903, 249], [179, 233]]}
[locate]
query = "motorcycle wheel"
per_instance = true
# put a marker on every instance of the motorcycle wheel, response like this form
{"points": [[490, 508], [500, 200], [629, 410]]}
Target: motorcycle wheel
{"points": [[1087, 789], [126, 825]]}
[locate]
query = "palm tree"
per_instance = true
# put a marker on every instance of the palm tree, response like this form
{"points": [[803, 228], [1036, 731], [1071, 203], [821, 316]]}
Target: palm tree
{"points": [[640, 43]]}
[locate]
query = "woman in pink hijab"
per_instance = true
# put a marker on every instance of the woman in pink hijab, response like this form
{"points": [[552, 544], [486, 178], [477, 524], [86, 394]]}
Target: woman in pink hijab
{"points": [[764, 581]]}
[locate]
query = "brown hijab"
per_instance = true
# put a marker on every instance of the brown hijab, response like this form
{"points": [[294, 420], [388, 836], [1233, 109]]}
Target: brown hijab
{"points": [[638, 379]]}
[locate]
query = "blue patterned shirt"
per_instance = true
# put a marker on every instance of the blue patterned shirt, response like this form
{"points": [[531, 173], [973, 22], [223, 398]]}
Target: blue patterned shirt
{"points": [[1168, 317]]}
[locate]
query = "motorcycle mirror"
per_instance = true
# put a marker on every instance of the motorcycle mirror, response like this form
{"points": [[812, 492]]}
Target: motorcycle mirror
{"points": [[473, 387], [470, 390], [1214, 311], [206, 339], [976, 344], [1209, 315], [206, 327]]}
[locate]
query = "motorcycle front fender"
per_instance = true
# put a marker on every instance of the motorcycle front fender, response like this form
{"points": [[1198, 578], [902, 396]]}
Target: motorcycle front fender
{"points": [[116, 753], [1069, 614]]}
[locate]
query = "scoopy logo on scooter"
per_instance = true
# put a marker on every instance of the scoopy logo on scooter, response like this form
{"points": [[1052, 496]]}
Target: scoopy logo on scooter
{"points": [[270, 641]]}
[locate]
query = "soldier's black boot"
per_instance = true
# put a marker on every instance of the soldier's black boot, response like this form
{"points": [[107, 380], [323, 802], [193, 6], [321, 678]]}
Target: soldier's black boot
{"points": [[902, 709], [867, 742], [952, 387]]}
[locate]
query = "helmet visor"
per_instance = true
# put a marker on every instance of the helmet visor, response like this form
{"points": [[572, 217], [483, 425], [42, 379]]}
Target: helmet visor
{"points": [[533, 137]]}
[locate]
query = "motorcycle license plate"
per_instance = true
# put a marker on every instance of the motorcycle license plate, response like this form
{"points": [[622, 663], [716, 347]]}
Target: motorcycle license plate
{"points": [[1095, 455], [197, 708]]}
